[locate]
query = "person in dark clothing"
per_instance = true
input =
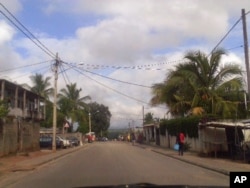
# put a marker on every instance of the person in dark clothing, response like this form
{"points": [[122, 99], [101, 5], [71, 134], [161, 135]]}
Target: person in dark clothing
{"points": [[133, 139]]}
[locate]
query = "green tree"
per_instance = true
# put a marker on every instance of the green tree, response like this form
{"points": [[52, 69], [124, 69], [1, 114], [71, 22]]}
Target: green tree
{"points": [[70, 102], [3, 109], [100, 118], [82, 119], [149, 118], [41, 86], [200, 85], [49, 117]]}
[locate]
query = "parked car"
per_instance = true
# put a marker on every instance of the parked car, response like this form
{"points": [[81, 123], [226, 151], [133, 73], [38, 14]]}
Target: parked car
{"points": [[104, 139], [46, 142], [73, 141], [65, 142]]}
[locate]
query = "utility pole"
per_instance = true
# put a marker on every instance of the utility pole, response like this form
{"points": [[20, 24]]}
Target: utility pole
{"points": [[243, 14], [142, 115], [55, 103], [89, 123]]}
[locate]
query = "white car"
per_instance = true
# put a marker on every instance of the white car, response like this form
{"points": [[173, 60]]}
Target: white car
{"points": [[65, 142]]}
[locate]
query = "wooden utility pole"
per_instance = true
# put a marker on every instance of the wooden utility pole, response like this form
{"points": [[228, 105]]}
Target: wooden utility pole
{"points": [[243, 14], [142, 115], [89, 123], [55, 103]]}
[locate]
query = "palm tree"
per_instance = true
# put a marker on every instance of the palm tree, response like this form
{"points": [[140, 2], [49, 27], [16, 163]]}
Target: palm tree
{"points": [[200, 85], [41, 85], [70, 102]]}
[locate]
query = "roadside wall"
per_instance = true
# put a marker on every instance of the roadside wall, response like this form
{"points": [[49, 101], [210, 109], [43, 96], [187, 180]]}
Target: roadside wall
{"points": [[18, 136], [169, 141], [8, 139]]}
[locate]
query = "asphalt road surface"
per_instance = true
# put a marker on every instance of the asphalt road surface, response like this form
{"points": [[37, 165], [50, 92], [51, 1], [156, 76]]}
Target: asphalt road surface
{"points": [[115, 163]]}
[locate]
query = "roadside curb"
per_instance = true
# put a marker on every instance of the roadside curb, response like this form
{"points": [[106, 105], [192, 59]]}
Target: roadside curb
{"points": [[30, 165], [22, 166], [225, 172], [193, 163]]}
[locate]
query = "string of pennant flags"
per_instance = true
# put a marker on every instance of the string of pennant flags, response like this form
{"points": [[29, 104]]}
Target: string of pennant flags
{"points": [[139, 67]]}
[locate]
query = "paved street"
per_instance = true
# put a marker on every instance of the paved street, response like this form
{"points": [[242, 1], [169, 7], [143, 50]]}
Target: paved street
{"points": [[112, 163]]}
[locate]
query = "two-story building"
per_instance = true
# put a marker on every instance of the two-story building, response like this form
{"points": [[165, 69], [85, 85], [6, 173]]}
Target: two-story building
{"points": [[19, 131], [22, 102]]}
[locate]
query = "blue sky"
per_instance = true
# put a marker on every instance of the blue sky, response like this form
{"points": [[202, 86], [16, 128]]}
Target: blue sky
{"points": [[113, 33], [56, 24]]}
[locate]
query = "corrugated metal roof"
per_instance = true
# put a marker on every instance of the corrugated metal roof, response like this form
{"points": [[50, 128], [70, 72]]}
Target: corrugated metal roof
{"points": [[226, 124]]}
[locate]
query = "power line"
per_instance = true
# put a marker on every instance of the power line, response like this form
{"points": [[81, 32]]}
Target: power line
{"points": [[37, 42], [63, 72], [47, 68], [63, 76], [240, 46], [138, 67], [21, 67], [225, 35], [26, 35], [112, 78], [138, 100], [147, 67]]}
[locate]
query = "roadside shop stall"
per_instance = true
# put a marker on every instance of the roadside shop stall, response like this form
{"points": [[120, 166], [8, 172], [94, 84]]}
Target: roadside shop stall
{"points": [[225, 139]]}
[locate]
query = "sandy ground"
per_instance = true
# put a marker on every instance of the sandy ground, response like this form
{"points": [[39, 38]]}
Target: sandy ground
{"points": [[10, 162]]}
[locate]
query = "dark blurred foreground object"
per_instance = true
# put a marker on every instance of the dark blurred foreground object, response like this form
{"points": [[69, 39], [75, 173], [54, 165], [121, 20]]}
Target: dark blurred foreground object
{"points": [[153, 185]]}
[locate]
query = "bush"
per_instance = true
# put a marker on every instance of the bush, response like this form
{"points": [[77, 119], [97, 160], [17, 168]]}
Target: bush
{"points": [[3, 109], [188, 125], [186, 146]]}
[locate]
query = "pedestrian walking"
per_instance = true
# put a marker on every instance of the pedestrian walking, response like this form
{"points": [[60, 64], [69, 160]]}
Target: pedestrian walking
{"points": [[133, 139], [180, 140]]}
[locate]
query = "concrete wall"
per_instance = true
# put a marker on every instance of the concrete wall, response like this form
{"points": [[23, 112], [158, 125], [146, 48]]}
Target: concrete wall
{"points": [[169, 141], [30, 137], [18, 136], [8, 139]]}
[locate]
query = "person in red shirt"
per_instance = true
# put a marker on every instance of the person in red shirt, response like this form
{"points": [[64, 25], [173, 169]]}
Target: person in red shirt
{"points": [[180, 140]]}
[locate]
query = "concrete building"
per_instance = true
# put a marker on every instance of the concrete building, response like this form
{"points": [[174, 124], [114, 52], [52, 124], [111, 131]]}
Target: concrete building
{"points": [[19, 131], [22, 102], [152, 133]]}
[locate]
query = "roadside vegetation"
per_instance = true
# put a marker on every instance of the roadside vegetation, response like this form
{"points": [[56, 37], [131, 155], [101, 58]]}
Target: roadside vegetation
{"points": [[3, 109], [71, 107], [203, 87]]}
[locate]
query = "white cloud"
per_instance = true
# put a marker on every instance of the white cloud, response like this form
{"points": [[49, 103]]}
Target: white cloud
{"points": [[6, 33], [13, 6], [190, 18], [125, 33], [234, 59]]}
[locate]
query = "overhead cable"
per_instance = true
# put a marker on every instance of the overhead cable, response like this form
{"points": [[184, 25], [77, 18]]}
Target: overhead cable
{"points": [[47, 68], [225, 36], [240, 46], [21, 67], [34, 39], [64, 73], [112, 78], [138, 100], [138, 67]]}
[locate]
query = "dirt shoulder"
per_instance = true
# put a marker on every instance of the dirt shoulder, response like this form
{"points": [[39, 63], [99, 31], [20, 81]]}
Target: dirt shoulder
{"points": [[8, 163]]}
